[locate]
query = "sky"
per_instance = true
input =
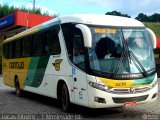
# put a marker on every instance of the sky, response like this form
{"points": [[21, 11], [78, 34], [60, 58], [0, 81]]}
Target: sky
{"points": [[65, 7]]}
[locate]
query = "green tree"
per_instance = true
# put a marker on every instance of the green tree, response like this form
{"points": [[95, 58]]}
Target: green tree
{"points": [[142, 17], [155, 17], [117, 14], [6, 9]]}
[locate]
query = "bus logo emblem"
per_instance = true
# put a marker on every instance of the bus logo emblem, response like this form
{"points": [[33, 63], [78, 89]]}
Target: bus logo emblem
{"points": [[132, 90], [57, 64]]}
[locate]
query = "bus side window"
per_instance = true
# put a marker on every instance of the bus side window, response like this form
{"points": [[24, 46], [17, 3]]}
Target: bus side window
{"points": [[78, 49], [5, 50], [74, 44], [52, 40], [12, 49], [26, 47], [37, 44], [18, 49]]}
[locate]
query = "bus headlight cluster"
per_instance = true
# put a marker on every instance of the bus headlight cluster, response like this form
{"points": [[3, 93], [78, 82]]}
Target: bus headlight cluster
{"points": [[154, 83], [98, 86]]}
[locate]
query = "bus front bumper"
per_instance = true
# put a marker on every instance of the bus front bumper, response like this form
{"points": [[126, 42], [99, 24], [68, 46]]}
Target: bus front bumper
{"points": [[102, 99]]}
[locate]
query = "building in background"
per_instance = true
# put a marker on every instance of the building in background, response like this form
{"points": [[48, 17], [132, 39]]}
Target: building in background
{"points": [[17, 22]]}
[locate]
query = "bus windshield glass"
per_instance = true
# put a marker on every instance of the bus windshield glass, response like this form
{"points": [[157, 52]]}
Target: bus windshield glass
{"points": [[121, 51]]}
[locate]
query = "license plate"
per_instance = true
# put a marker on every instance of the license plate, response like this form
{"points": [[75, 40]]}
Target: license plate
{"points": [[130, 104]]}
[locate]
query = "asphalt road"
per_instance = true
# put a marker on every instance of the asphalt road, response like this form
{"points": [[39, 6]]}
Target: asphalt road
{"points": [[33, 106]]}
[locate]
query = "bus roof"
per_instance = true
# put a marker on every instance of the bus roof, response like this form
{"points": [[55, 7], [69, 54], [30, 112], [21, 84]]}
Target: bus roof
{"points": [[91, 19], [108, 20]]}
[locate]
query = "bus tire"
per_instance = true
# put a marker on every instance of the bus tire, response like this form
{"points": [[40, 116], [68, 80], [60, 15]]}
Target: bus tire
{"points": [[65, 98], [17, 88]]}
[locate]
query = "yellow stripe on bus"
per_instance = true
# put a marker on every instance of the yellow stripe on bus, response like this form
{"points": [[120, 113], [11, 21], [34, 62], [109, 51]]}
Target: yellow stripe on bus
{"points": [[11, 67], [118, 83]]}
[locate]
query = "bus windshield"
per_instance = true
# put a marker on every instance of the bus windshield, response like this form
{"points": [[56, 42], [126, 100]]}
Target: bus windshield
{"points": [[121, 51]]}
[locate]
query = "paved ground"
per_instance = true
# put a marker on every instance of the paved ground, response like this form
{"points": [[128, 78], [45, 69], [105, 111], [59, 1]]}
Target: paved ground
{"points": [[32, 106]]}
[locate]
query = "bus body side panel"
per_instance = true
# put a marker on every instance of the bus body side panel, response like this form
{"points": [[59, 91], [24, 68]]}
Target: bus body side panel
{"points": [[15, 67], [30, 73], [36, 71], [57, 70], [35, 76]]}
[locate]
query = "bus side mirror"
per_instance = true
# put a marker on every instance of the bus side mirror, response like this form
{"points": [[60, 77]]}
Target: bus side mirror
{"points": [[86, 35], [152, 37]]}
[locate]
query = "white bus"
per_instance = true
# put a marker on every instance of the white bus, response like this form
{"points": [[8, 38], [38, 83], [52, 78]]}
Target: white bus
{"points": [[97, 61]]}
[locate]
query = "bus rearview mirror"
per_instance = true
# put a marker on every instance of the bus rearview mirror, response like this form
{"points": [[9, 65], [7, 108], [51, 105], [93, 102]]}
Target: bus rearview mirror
{"points": [[86, 35], [152, 37]]}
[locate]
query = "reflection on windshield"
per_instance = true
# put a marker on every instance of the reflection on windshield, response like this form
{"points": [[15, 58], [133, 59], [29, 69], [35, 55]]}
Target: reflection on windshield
{"points": [[108, 46], [108, 50], [139, 43]]}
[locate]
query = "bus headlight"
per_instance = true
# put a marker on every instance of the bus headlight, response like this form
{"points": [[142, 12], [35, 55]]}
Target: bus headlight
{"points": [[98, 86], [154, 83]]}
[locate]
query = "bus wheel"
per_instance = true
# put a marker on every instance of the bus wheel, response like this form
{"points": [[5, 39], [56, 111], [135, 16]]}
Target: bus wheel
{"points": [[65, 98], [17, 88]]}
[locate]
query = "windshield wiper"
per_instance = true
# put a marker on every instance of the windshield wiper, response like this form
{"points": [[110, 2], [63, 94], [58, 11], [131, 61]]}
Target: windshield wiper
{"points": [[124, 59], [138, 64], [125, 55], [128, 55], [135, 60]]}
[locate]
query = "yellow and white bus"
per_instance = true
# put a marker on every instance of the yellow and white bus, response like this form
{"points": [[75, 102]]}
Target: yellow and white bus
{"points": [[97, 61]]}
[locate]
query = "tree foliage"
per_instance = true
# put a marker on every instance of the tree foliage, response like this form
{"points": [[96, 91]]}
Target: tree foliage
{"points": [[144, 18], [6, 9], [141, 16], [117, 14]]}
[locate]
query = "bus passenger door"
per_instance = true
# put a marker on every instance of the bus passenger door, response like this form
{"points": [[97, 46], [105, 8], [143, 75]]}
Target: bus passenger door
{"points": [[79, 76], [80, 87]]}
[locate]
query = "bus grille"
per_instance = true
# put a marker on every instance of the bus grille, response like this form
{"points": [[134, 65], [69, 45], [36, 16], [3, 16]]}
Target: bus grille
{"points": [[130, 99], [128, 90]]}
